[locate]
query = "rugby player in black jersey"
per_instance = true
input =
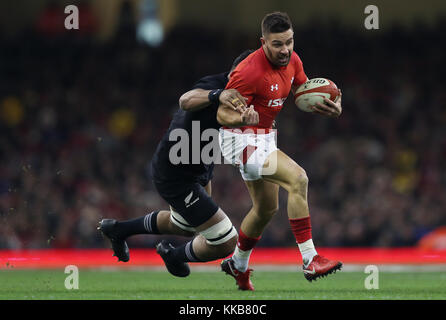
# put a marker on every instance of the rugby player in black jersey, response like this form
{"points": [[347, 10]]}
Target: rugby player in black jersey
{"points": [[186, 186]]}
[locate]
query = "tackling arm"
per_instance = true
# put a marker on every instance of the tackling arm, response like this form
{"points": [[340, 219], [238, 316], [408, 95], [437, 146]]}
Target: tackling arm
{"points": [[228, 117], [197, 99]]}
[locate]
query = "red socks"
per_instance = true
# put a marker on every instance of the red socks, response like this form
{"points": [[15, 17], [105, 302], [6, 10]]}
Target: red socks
{"points": [[301, 229], [243, 250], [246, 243]]}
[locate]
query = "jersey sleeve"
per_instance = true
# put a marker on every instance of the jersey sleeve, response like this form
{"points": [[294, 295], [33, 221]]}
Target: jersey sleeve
{"points": [[299, 75], [243, 80]]}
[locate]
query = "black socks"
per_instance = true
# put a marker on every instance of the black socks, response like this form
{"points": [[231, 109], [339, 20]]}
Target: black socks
{"points": [[142, 225], [185, 253]]}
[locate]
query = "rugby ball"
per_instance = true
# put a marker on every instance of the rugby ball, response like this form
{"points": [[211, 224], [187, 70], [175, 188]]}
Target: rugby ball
{"points": [[314, 91]]}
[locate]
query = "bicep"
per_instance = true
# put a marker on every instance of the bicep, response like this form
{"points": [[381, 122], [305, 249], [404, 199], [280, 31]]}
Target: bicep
{"points": [[197, 97], [191, 94], [299, 75], [194, 99]]}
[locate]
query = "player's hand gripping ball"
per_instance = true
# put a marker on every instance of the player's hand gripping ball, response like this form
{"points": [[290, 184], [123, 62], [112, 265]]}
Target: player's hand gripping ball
{"points": [[314, 91]]}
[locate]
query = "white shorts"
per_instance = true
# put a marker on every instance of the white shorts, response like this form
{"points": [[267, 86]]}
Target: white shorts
{"points": [[248, 152]]}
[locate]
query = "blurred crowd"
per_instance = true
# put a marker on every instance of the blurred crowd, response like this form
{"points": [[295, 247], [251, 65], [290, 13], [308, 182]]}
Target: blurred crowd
{"points": [[80, 120]]}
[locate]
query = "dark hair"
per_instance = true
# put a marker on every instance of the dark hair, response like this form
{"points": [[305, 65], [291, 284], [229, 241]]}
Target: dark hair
{"points": [[240, 58], [276, 22]]}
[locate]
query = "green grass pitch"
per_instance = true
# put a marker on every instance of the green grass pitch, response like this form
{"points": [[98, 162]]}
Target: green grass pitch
{"points": [[208, 285]]}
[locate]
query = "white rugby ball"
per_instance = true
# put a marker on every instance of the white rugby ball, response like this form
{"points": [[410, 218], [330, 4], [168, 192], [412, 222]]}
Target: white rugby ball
{"points": [[314, 91]]}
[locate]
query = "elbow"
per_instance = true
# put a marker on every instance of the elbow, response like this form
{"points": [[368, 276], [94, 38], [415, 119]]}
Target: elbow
{"points": [[227, 122], [228, 118], [184, 103], [220, 120]]}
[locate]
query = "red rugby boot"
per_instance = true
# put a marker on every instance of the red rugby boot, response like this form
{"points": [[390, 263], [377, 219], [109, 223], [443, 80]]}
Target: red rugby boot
{"points": [[242, 278], [320, 267]]}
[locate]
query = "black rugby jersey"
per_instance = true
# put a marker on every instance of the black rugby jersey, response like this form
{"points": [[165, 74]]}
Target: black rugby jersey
{"points": [[163, 170]]}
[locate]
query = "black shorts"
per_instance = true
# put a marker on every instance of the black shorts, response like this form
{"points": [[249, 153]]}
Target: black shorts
{"points": [[189, 199]]}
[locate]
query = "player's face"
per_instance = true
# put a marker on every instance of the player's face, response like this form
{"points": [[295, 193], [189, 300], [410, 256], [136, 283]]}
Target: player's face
{"points": [[278, 47]]}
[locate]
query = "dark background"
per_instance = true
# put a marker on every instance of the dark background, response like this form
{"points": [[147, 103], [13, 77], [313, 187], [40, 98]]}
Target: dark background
{"points": [[81, 113]]}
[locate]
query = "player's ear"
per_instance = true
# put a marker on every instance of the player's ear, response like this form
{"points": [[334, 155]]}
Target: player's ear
{"points": [[262, 40]]}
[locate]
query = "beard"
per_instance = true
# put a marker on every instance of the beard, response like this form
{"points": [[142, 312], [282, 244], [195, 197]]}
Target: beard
{"points": [[278, 60], [283, 61]]}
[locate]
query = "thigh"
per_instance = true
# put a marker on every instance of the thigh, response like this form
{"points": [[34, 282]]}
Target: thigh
{"points": [[193, 204], [208, 188], [247, 151], [279, 168]]}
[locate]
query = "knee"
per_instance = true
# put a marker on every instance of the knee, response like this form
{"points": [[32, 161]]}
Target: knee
{"points": [[222, 250], [265, 212], [299, 182], [222, 236], [270, 212], [166, 225], [228, 247]]}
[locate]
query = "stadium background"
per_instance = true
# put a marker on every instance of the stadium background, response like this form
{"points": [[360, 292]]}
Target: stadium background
{"points": [[82, 111]]}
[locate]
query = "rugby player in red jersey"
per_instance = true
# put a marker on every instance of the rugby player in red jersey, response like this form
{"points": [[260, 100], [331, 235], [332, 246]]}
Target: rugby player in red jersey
{"points": [[265, 79]]}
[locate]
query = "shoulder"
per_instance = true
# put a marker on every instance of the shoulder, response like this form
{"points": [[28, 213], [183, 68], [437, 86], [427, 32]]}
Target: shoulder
{"points": [[215, 81], [295, 59], [215, 77], [251, 69]]}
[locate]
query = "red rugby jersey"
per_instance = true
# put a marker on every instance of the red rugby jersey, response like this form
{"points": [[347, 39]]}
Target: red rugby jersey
{"points": [[266, 86]]}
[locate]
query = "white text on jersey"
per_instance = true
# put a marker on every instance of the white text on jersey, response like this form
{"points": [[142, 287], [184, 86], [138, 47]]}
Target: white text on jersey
{"points": [[276, 102]]}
